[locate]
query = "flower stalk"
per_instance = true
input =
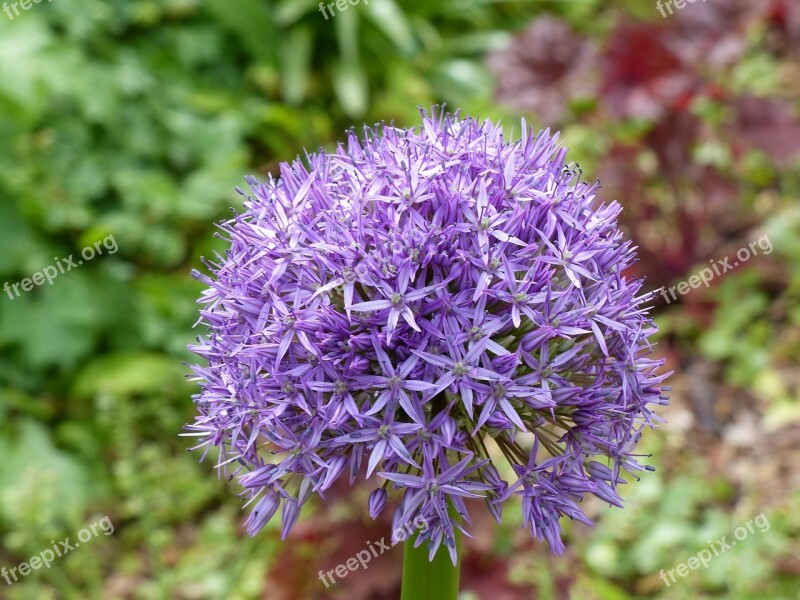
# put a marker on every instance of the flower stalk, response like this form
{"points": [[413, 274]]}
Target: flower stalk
{"points": [[436, 579]]}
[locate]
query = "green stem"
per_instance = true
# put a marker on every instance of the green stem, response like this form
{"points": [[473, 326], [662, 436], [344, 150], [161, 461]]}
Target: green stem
{"points": [[431, 580]]}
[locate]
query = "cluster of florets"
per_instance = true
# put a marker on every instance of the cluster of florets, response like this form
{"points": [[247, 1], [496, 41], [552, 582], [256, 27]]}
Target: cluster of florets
{"points": [[429, 309]]}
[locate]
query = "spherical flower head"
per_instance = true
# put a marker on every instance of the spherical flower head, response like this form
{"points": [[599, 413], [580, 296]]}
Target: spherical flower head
{"points": [[430, 309]]}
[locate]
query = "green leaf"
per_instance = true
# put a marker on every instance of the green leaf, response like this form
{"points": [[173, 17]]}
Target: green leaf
{"points": [[388, 17], [296, 62], [126, 374], [288, 12], [40, 486], [346, 25], [350, 83], [250, 20]]}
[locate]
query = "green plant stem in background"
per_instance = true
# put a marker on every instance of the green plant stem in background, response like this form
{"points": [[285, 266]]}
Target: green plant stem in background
{"points": [[430, 580]]}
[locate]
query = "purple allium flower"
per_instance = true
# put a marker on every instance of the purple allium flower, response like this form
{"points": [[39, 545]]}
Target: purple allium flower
{"points": [[419, 308]]}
